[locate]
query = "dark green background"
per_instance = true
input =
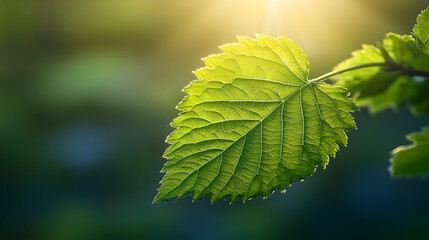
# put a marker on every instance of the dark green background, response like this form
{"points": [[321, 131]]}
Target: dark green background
{"points": [[87, 91]]}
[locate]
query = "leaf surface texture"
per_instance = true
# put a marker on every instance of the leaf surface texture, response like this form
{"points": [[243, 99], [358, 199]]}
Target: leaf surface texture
{"points": [[252, 123]]}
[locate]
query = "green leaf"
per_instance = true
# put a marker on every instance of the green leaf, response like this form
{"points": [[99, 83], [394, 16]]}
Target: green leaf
{"points": [[400, 81], [252, 123], [421, 30], [412, 160]]}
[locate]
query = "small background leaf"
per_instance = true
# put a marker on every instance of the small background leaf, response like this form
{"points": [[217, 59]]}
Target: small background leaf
{"points": [[412, 160], [421, 31]]}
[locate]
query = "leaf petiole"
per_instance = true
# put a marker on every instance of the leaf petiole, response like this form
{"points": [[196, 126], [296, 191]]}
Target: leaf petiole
{"points": [[347, 69]]}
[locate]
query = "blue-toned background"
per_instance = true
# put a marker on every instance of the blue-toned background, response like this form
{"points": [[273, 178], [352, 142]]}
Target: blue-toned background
{"points": [[87, 91]]}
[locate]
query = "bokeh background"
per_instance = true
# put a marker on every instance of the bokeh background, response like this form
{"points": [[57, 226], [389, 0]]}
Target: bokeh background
{"points": [[87, 91]]}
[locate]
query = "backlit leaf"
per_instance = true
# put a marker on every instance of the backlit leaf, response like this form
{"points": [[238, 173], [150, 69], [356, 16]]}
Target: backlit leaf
{"points": [[252, 123]]}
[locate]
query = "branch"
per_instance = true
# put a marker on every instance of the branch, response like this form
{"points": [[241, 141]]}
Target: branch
{"points": [[388, 67]]}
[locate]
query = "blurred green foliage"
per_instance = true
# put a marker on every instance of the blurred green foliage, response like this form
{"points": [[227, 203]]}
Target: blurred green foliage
{"points": [[87, 89]]}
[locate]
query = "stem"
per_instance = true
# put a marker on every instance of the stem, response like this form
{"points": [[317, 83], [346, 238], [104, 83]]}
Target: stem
{"points": [[354, 67]]}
